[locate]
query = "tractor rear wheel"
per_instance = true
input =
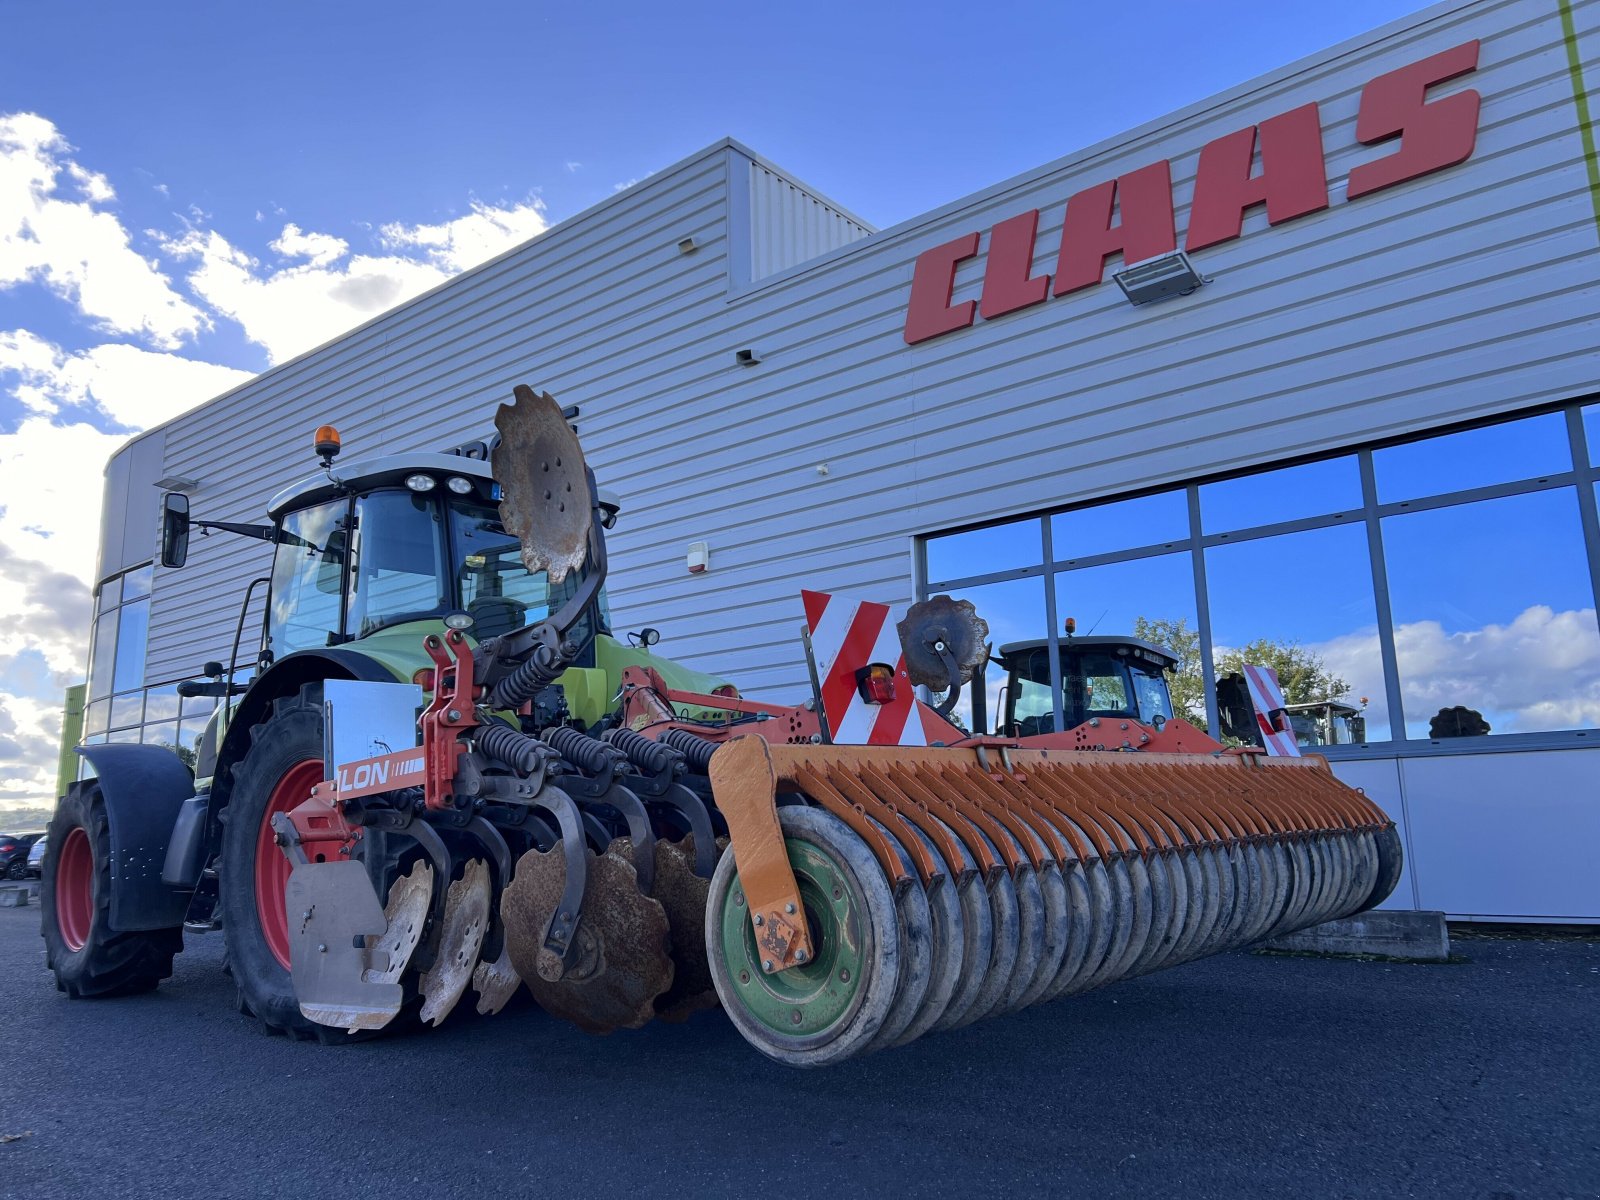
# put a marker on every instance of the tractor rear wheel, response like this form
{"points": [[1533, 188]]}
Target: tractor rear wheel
{"points": [[88, 958], [277, 773]]}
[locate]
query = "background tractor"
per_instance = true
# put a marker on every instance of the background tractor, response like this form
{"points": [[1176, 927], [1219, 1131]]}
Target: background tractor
{"points": [[446, 773]]}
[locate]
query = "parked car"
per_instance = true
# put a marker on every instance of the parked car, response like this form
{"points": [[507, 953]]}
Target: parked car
{"points": [[14, 849], [36, 857]]}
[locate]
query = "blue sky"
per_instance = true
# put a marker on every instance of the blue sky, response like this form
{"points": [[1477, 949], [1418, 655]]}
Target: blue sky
{"points": [[198, 190]]}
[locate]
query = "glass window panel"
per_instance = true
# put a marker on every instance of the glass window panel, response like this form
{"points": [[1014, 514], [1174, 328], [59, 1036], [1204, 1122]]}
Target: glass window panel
{"points": [[123, 735], [136, 583], [1494, 618], [1148, 598], [201, 706], [190, 731], [1302, 603], [165, 733], [96, 715], [1591, 432], [1288, 494], [1015, 612], [1473, 458], [103, 660], [308, 579], [161, 703], [397, 571], [110, 594], [132, 626], [1120, 525], [986, 551], [127, 710]]}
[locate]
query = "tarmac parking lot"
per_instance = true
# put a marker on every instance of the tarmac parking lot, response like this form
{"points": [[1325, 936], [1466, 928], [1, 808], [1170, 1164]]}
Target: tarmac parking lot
{"points": [[1241, 1075]]}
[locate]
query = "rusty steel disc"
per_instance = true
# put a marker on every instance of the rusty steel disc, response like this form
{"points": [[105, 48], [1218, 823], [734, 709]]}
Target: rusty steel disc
{"points": [[621, 958], [545, 502], [495, 982], [407, 914], [466, 918], [683, 896], [955, 624]]}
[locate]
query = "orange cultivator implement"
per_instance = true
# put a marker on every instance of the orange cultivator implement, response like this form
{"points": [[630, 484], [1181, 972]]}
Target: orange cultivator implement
{"points": [[835, 899]]}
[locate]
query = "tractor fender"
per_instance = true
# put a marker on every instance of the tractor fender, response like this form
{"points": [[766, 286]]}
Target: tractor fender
{"points": [[144, 788], [285, 678]]}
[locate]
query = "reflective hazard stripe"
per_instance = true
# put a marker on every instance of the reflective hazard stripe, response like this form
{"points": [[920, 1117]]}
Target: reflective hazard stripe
{"points": [[1266, 698]]}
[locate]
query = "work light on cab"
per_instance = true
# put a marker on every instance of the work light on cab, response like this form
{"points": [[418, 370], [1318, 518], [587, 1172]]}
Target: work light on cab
{"points": [[420, 482], [875, 682]]}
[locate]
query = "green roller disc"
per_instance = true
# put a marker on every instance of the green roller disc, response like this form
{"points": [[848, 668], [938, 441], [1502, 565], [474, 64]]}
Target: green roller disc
{"points": [[831, 1007]]}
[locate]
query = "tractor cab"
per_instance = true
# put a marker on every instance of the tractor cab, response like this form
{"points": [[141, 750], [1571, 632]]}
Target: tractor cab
{"points": [[1101, 677], [391, 541], [1327, 723]]}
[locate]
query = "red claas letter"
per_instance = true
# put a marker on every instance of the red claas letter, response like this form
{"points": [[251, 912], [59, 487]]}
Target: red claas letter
{"points": [[1088, 237], [930, 312], [1293, 179], [1432, 136], [1008, 279]]}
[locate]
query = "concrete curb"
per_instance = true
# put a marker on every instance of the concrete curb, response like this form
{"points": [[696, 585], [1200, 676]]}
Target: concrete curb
{"points": [[1399, 933]]}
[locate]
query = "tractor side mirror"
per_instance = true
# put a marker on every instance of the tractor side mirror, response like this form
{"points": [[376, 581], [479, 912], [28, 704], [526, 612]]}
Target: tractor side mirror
{"points": [[174, 529], [212, 670]]}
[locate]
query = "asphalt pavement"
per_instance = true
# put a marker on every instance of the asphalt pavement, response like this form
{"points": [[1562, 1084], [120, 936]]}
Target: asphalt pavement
{"points": [[1244, 1075]]}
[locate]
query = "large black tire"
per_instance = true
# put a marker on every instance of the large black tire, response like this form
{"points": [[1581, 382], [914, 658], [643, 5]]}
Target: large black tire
{"points": [[290, 737], [87, 957]]}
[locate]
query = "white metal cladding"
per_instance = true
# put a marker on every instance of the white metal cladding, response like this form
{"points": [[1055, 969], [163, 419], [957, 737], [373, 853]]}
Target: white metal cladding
{"points": [[788, 224], [1467, 292]]}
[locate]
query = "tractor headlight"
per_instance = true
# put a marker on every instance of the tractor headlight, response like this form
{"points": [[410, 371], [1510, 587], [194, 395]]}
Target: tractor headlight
{"points": [[420, 482], [458, 485]]}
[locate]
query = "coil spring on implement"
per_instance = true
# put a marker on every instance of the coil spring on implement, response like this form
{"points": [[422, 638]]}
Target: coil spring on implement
{"points": [[581, 750], [512, 747], [693, 747], [651, 756]]}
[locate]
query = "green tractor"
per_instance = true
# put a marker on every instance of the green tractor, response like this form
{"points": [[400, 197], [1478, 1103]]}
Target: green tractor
{"points": [[371, 557]]}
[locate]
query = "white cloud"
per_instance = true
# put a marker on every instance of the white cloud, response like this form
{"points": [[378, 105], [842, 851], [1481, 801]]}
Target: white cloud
{"points": [[574, 166], [1539, 671], [323, 249], [78, 251], [288, 310], [136, 388], [469, 240]]}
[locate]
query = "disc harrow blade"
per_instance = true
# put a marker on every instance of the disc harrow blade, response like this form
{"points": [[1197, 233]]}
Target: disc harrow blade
{"points": [[466, 918], [621, 956], [682, 894]]}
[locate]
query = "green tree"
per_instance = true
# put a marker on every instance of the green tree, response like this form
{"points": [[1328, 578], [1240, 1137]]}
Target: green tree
{"points": [[1302, 673]]}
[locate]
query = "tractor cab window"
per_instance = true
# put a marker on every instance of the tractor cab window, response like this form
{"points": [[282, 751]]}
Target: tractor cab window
{"points": [[1032, 707], [1150, 690], [308, 578], [499, 592], [1096, 684], [396, 566]]}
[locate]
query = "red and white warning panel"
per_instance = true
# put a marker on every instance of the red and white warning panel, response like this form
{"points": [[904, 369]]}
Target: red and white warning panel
{"points": [[1266, 698], [847, 638]]}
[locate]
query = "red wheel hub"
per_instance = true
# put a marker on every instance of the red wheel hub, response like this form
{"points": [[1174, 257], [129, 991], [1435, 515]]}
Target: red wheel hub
{"points": [[272, 864], [75, 889]]}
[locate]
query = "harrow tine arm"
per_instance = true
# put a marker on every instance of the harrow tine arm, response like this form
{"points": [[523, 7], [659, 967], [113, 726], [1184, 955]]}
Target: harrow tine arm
{"points": [[558, 936]]}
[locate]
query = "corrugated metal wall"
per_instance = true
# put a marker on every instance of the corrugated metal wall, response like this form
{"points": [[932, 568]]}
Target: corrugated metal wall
{"points": [[1467, 292], [789, 225]]}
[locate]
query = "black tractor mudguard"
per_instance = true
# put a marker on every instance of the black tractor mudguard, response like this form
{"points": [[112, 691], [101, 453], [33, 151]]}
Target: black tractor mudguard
{"points": [[144, 788]]}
